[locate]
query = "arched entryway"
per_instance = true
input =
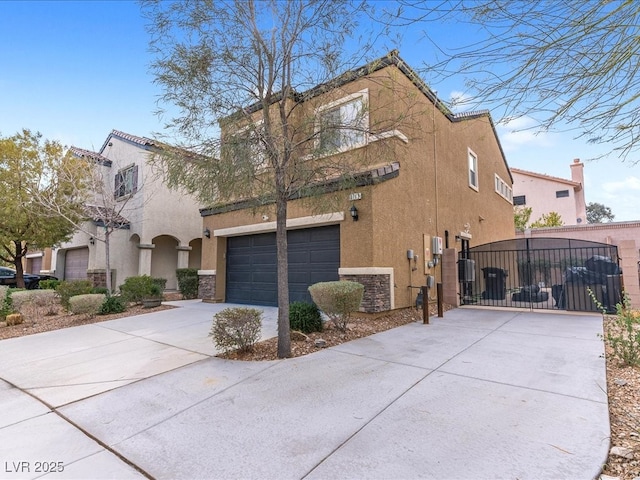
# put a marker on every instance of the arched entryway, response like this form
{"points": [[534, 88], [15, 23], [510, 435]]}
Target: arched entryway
{"points": [[164, 260]]}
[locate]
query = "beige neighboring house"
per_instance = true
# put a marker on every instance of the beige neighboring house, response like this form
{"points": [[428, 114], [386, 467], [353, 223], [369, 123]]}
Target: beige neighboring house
{"points": [[545, 194], [160, 230]]}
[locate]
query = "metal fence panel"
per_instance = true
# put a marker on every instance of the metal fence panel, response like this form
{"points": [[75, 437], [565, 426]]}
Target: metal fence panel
{"points": [[542, 273]]}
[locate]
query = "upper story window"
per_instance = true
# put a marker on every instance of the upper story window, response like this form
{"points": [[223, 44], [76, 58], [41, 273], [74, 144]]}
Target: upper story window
{"points": [[503, 189], [126, 182], [520, 200], [244, 147], [473, 169], [562, 193], [343, 124]]}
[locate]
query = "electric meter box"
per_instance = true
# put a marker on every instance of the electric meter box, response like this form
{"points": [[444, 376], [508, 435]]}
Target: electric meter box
{"points": [[436, 247]]}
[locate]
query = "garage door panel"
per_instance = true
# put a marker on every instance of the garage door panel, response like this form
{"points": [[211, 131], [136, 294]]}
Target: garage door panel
{"points": [[298, 258], [320, 257], [240, 260], [262, 277], [76, 263], [313, 254], [264, 259], [263, 240]]}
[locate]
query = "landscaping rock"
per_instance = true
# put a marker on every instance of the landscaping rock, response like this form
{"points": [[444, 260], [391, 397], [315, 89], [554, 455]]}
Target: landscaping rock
{"points": [[320, 343], [14, 319], [620, 382], [297, 336], [623, 452]]}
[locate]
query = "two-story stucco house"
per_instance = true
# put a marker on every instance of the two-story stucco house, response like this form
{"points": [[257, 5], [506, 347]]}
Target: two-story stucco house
{"points": [[429, 181], [545, 194], [159, 230]]}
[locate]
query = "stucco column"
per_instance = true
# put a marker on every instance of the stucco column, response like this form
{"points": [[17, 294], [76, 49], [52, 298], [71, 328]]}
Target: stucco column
{"points": [[450, 284], [628, 252], [144, 259], [183, 256], [577, 175]]}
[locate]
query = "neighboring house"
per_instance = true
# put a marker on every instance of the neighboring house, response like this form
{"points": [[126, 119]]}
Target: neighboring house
{"points": [[37, 261], [159, 229], [433, 174], [544, 194]]}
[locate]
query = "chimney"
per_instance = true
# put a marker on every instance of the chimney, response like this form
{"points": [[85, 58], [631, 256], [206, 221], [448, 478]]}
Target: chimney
{"points": [[577, 175]]}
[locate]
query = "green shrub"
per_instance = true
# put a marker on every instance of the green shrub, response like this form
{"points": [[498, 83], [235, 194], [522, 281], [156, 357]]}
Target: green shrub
{"points": [[135, 289], [337, 300], [161, 282], [112, 304], [102, 290], [88, 304], [623, 332], [67, 289], [305, 317], [6, 306], [236, 328], [49, 284], [188, 282], [155, 291]]}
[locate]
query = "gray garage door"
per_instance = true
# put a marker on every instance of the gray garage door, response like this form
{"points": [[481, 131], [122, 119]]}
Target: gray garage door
{"points": [[314, 256], [76, 263], [34, 265]]}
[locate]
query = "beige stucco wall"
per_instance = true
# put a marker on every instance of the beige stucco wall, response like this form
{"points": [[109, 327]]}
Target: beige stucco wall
{"points": [[430, 196]]}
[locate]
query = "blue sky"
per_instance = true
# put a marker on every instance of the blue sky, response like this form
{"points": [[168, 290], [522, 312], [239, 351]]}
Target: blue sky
{"points": [[75, 70]]}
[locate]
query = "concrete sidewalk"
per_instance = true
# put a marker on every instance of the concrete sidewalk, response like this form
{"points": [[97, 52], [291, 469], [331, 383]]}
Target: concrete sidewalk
{"points": [[477, 394]]}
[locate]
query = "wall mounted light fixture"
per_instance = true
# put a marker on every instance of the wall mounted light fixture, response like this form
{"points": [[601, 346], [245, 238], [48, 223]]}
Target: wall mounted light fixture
{"points": [[207, 232], [354, 213]]}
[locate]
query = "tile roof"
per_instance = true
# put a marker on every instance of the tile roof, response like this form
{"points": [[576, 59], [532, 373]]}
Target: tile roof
{"points": [[82, 153], [142, 141], [544, 176], [103, 215]]}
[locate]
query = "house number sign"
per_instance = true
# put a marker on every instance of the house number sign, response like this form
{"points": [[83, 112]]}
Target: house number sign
{"points": [[355, 196]]}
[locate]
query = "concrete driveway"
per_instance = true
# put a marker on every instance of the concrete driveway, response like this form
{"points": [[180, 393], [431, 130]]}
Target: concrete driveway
{"points": [[477, 394]]}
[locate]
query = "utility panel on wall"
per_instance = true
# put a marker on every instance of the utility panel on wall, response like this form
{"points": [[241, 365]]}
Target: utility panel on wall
{"points": [[437, 246], [427, 253]]}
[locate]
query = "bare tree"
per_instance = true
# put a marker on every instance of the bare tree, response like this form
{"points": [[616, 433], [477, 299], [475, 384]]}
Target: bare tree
{"points": [[242, 75], [565, 64]]}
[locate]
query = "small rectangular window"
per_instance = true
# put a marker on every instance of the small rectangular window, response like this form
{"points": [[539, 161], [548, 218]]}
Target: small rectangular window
{"points": [[503, 189], [473, 170], [562, 193], [126, 181], [519, 200]]}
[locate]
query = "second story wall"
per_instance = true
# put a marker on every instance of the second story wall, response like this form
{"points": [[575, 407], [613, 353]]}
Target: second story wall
{"points": [[151, 207]]}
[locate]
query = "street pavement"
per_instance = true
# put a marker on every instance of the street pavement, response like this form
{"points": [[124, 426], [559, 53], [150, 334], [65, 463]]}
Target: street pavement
{"points": [[478, 394]]}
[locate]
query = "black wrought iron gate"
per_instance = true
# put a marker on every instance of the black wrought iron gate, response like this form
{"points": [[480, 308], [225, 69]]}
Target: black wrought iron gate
{"points": [[541, 273]]}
